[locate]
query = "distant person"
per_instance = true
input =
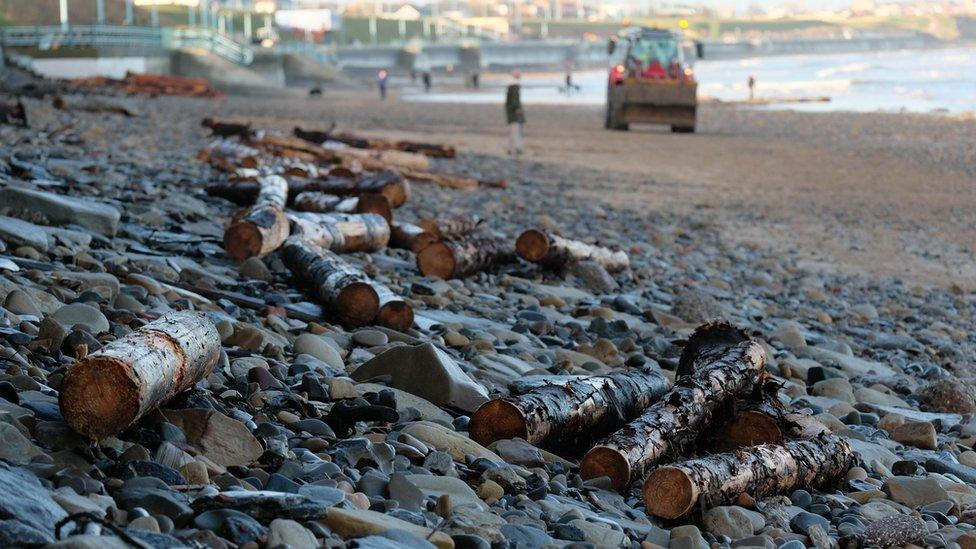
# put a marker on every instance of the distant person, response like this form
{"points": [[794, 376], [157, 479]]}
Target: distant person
{"points": [[570, 85], [382, 79], [426, 79], [475, 80], [752, 87], [514, 114], [675, 69]]}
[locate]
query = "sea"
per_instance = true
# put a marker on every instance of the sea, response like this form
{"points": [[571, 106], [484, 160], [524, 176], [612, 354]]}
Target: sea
{"points": [[941, 81]]}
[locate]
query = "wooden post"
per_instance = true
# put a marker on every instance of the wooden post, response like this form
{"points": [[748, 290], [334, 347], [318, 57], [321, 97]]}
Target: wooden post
{"points": [[673, 491], [109, 390], [677, 419], [555, 252], [567, 416]]}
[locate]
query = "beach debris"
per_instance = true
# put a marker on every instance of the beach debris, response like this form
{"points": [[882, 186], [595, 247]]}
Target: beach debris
{"points": [[427, 149], [317, 201], [465, 257], [555, 252], [342, 233], [92, 104], [451, 228], [262, 228], [13, 113], [407, 236], [109, 390], [148, 84]]}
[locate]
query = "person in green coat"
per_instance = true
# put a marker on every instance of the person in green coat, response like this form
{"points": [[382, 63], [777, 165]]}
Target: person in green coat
{"points": [[514, 114]]}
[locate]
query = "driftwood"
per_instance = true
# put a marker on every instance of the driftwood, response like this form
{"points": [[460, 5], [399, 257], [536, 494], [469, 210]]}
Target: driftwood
{"points": [[673, 491], [443, 179], [555, 252], [569, 415], [462, 258], [381, 160], [678, 418], [227, 129], [407, 236], [762, 421], [261, 229], [426, 149], [394, 312], [316, 201], [341, 233], [334, 282], [92, 104], [107, 391], [451, 228], [229, 156]]}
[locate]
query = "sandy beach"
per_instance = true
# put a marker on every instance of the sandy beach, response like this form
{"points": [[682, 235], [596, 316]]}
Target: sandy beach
{"points": [[886, 195]]}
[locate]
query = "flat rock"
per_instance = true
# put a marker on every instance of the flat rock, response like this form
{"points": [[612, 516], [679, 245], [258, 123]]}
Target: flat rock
{"points": [[731, 521], [851, 365], [428, 410], [353, 523], [27, 501], [21, 233], [460, 492], [64, 210], [950, 395], [290, 533], [317, 346], [81, 313], [917, 434], [223, 440], [428, 372], [449, 441], [915, 491]]}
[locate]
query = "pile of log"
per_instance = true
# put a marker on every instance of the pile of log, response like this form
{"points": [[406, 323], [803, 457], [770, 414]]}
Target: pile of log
{"points": [[555, 252], [723, 396], [148, 84]]}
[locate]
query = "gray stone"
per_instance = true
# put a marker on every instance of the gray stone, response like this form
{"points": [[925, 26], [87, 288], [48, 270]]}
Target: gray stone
{"points": [[593, 276], [26, 501], [915, 491], [731, 521], [290, 533], [920, 435], [370, 338], [434, 486], [405, 493], [318, 347], [20, 302], [217, 437], [428, 372], [895, 531], [63, 210], [600, 534], [21, 233], [81, 313]]}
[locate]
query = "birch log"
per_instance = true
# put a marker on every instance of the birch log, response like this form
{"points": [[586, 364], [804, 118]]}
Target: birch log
{"points": [[673, 491], [451, 228], [758, 420], [317, 201], [555, 252], [342, 233], [394, 313], [569, 415], [462, 258], [334, 282], [708, 341], [109, 390], [387, 183], [407, 236], [261, 229], [445, 180], [677, 419]]}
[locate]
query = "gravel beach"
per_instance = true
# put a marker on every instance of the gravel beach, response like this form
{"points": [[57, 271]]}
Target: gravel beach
{"points": [[842, 244]]}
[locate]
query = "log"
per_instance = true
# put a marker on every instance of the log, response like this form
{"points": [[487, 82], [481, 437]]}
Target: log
{"points": [[340, 232], [109, 390], [451, 228], [569, 415], [555, 252], [407, 236], [227, 129], [229, 155], [394, 313], [462, 258], [335, 283], [761, 420], [677, 419], [673, 491], [426, 149], [92, 104], [708, 341], [261, 229], [316, 201], [444, 180], [383, 159], [386, 183]]}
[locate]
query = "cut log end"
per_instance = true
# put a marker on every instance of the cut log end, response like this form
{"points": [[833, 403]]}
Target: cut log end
{"points": [[603, 461], [358, 304], [669, 493], [749, 428], [375, 203], [117, 405], [243, 240], [498, 420], [437, 260], [532, 245], [396, 315]]}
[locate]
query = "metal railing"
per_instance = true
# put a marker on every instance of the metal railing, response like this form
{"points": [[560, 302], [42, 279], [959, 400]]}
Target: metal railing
{"points": [[46, 38]]}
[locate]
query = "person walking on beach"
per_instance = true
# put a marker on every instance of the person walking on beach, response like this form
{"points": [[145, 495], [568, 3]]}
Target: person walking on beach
{"points": [[426, 78], [752, 87], [382, 78], [514, 114]]}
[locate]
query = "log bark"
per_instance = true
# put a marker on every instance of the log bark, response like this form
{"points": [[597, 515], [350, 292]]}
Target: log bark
{"points": [[261, 229], [407, 236], [229, 155], [335, 283], [394, 313], [426, 149], [386, 183], [462, 258], [673, 491], [443, 179], [451, 228], [340, 232], [763, 420], [316, 201], [109, 390], [569, 415], [706, 342], [220, 128], [555, 252], [383, 159], [677, 419]]}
